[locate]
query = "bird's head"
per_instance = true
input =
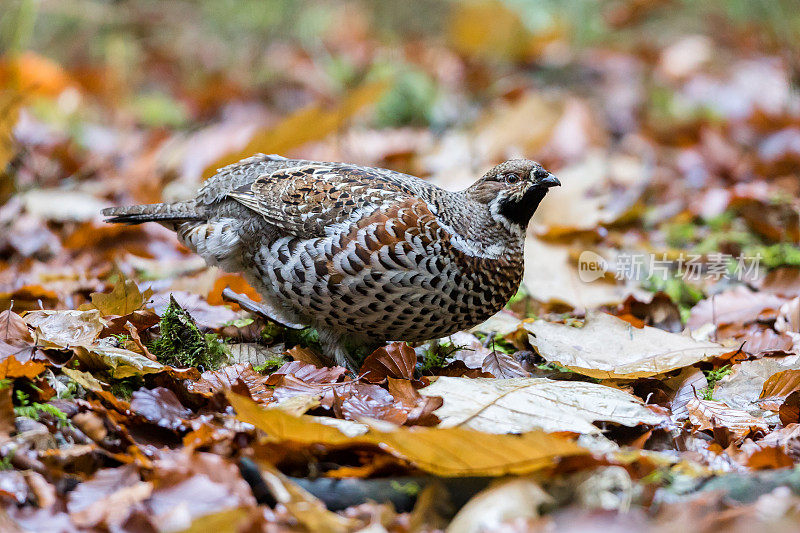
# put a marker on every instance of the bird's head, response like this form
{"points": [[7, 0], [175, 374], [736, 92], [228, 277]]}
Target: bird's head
{"points": [[512, 191]]}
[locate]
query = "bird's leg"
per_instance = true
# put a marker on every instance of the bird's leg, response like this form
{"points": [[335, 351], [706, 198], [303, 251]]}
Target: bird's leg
{"points": [[261, 309], [335, 347]]}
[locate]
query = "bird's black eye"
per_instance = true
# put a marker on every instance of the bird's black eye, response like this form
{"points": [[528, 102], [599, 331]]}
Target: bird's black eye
{"points": [[512, 178]]}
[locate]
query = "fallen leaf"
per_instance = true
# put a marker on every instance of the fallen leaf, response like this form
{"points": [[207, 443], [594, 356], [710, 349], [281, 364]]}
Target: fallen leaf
{"points": [[742, 387], [122, 363], [739, 305], [501, 365], [124, 298], [65, 329], [524, 404], [395, 360], [107, 497], [304, 506], [706, 414], [607, 347], [781, 384], [161, 407], [789, 411], [11, 368], [445, 452], [225, 378]]}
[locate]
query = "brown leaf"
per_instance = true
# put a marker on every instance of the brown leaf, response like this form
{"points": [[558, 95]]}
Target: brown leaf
{"points": [[781, 384], [124, 298], [108, 495], [444, 452], [739, 305], [141, 320], [706, 414], [783, 281], [305, 355], [14, 330], [161, 407], [310, 373], [396, 360], [11, 368], [225, 378], [370, 401], [789, 411], [501, 365], [458, 369], [769, 458], [6, 413]]}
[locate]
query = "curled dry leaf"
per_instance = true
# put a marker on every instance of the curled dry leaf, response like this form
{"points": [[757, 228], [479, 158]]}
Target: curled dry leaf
{"points": [[608, 347], [444, 452], [742, 387], [14, 334], [706, 414], [395, 360], [524, 404]]}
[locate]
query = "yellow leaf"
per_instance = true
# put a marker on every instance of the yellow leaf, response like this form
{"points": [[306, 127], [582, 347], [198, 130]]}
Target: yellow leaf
{"points": [[451, 452], [308, 124], [124, 298]]}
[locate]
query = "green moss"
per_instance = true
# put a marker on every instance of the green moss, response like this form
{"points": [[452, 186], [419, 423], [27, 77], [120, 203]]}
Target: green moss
{"points": [[26, 409], [438, 355], [270, 365], [183, 344], [775, 255], [712, 376], [124, 388]]}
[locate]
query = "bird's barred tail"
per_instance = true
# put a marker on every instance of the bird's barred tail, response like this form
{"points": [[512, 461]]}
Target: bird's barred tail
{"points": [[137, 214]]}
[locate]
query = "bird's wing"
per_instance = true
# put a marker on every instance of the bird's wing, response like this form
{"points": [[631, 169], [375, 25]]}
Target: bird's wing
{"points": [[308, 199]]}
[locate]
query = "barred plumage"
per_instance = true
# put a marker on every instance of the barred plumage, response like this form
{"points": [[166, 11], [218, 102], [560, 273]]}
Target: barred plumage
{"points": [[361, 254]]}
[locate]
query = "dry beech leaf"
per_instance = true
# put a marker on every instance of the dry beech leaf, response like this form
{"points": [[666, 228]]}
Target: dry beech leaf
{"points": [[11, 368], [161, 407], [608, 347], [121, 362], [124, 298], [304, 355], [781, 384], [739, 305], [742, 387], [225, 378], [789, 411], [707, 414], [502, 365], [445, 452], [65, 329], [524, 404], [395, 360], [14, 330]]}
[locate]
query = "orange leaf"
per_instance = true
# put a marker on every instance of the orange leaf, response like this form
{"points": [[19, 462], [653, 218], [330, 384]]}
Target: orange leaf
{"points": [[11, 368], [237, 284]]}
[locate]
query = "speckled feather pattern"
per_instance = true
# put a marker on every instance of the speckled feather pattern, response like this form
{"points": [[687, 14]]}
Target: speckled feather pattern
{"points": [[360, 253]]}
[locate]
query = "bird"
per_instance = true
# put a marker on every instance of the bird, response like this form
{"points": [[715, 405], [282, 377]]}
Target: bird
{"points": [[363, 255]]}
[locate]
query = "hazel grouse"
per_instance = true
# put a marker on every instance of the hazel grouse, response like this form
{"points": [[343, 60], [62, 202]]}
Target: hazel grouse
{"points": [[361, 254]]}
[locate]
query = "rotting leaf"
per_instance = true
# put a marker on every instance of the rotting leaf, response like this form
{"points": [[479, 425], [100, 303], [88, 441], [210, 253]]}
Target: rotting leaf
{"points": [[449, 452]]}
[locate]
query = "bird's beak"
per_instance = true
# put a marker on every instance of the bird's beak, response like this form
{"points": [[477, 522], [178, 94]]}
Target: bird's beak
{"points": [[549, 181]]}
